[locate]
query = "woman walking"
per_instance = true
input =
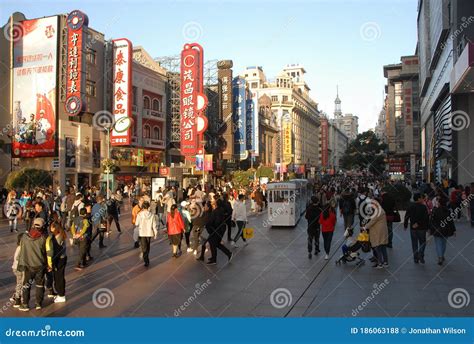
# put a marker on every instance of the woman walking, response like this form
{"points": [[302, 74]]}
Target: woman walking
{"points": [[441, 227], [175, 226], [147, 228], [378, 235], [57, 260], [327, 219]]}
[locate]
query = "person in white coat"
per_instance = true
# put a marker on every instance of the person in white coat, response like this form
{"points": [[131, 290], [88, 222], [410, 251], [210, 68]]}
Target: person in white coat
{"points": [[147, 224], [239, 216]]}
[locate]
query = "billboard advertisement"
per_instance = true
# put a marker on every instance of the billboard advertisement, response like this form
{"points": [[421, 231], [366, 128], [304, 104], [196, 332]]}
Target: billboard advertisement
{"points": [[76, 63], [239, 118], [35, 89], [191, 89], [324, 142], [224, 76], [122, 89]]}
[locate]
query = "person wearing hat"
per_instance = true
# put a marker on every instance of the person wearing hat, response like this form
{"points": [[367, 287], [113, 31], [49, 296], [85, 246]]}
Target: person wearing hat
{"points": [[32, 261], [81, 232]]}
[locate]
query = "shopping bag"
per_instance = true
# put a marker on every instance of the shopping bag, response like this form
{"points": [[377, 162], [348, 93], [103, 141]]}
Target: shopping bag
{"points": [[248, 233]]}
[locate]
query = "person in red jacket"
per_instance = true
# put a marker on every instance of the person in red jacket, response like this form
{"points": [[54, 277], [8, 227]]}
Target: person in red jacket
{"points": [[327, 219], [175, 226]]}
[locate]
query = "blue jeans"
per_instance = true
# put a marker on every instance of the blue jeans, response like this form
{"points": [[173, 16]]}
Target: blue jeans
{"points": [[418, 242], [440, 245]]}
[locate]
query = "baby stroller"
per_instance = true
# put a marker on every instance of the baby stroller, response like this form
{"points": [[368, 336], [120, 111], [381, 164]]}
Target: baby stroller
{"points": [[351, 247]]}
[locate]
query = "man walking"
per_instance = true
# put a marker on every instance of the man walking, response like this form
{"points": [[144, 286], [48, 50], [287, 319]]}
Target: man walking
{"points": [[417, 214], [313, 212]]}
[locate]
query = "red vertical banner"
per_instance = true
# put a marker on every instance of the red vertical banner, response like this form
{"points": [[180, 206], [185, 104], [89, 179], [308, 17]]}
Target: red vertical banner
{"points": [[76, 25], [122, 90], [324, 142], [191, 88]]}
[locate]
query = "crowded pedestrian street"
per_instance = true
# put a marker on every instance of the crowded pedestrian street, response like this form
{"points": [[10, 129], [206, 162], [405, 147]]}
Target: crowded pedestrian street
{"points": [[270, 277]]}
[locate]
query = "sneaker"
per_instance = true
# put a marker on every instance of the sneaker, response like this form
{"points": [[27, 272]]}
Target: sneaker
{"points": [[230, 257], [379, 266], [12, 298], [246, 243], [211, 263], [89, 258], [440, 261], [195, 252], [232, 243], [79, 267], [51, 296], [38, 307], [326, 257], [422, 260], [385, 265], [24, 308], [310, 256], [17, 303], [189, 249], [60, 299]]}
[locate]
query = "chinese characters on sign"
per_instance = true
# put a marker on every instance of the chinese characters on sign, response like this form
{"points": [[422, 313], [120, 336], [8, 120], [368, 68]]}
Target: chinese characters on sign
{"points": [[224, 75], [122, 89], [76, 24], [239, 118], [287, 141], [35, 89], [191, 87], [324, 142]]}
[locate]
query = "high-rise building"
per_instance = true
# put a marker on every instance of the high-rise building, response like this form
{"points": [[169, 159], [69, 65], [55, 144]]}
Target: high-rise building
{"points": [[446, 53]]}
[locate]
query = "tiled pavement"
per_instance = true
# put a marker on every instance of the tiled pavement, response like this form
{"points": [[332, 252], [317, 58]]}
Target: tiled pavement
{"points": [[275, 262]]}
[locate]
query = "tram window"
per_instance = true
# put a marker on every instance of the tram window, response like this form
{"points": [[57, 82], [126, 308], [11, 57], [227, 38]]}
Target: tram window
{"points": [[283, 196]]}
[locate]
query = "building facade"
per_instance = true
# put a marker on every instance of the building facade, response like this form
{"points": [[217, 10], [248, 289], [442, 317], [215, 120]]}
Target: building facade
{"points": [[402, 116], [338, 142], [296, 116], [445, 33]]}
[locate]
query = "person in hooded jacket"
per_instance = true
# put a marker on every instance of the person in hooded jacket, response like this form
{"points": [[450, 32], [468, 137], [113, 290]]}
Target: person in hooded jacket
{"points": [[32, 261], [147, 224]]}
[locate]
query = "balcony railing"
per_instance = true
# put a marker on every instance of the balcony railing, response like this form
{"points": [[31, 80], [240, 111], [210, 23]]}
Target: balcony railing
{"points": [[149, 113]]}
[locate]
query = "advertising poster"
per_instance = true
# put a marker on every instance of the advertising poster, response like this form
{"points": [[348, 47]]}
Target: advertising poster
{"points": [[71, 150], [35, 89]]}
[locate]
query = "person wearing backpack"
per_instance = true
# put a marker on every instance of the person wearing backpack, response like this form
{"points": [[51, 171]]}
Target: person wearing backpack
{"points": [[112, 213], [441, 227], [76, 208], [186, 215]]}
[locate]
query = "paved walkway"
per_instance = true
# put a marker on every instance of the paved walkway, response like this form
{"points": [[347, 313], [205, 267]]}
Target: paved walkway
{"points": [[272, 276]]}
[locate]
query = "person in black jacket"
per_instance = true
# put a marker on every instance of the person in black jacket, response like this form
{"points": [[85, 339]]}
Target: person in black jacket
{"points": [[418, 216], [313, 212], [347, 206], [228, 216], [441, 227], [388, 205], [199, 216], [113, 213], [216, 229]]}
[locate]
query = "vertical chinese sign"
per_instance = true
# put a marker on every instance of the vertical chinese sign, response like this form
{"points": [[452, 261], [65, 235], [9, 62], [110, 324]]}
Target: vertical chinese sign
{"points": [[239, 118], [324, 142], [191, 92], [122, 89], [35, 68], [287, 140], [76, 63], [255, 125], [224, 75], [249, 125]]}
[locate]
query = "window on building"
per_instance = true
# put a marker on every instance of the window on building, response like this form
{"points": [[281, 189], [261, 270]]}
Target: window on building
{"points": [[156, 105], [274, 98], [254, 74], [91, 90], [146, 102], [134, 95], [285, 98], [91, 56], [146, 131], [156, 133], [254, 85]]}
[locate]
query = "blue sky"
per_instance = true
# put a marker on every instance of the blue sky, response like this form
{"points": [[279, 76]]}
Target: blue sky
{"points": [[339, 42]]}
